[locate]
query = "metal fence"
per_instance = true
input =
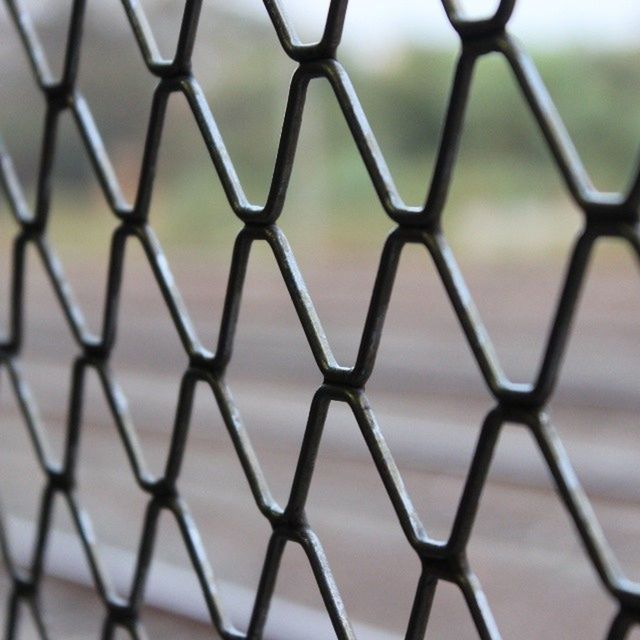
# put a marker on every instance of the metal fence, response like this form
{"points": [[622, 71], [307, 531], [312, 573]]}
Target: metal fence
{"points": [[605, 215]]}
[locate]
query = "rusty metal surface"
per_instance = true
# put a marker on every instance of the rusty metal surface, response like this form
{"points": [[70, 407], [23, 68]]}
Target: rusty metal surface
{"points": [[605, 216]]}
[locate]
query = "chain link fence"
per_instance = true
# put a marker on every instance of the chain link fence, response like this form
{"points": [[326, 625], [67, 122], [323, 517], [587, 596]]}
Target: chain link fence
{"points": [[605, 215]]}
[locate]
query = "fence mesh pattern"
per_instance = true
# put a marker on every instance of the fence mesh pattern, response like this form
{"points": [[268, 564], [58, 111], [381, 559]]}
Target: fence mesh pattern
{"points": [[604, 214]]}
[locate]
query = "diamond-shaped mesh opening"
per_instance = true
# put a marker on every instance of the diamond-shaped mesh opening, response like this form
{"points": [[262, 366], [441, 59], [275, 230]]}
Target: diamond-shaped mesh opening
{"points": [[449, 611], [196, 226], [47, 356], [511, 214], [297, 599], [422, 357], [139, 353], [80, 224], [23, 621], [606, 477], [103, 462], [212, 480], [610, 158], [273, 406], [537, 551], [341, 513], [122, 126], [69, 607], [328, 178], [406, 115], [247, 104], [20, 140], [20, 500], [273, 367], [165, 19], [171, 562], [308, 24], [330, 174], [51, 27], [377, 43]]}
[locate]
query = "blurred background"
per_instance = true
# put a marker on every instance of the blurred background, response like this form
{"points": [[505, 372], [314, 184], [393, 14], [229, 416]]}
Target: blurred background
{"points": [[511, 226]]}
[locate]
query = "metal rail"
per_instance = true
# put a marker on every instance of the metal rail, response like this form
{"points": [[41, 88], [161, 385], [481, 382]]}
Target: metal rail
{"points": [[605, 215]]}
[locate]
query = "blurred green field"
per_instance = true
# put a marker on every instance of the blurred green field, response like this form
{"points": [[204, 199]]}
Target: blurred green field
{"points": [[505, 181]]}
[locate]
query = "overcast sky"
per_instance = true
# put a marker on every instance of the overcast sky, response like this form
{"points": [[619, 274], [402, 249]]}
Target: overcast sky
{"points": [[381, 25], [542, 23]]}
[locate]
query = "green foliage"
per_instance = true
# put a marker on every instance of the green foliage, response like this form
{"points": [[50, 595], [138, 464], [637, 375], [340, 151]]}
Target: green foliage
{"points": [[503, 158]]}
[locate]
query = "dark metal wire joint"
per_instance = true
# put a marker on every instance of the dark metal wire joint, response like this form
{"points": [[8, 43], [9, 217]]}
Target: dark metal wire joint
{"points": [[605, 215]]}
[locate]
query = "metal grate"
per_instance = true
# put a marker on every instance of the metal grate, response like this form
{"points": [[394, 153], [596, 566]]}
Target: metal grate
{"points": [[605, 215]]}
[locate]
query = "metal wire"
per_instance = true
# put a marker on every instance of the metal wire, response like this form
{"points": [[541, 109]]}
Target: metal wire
{"points": [[605, 215]]}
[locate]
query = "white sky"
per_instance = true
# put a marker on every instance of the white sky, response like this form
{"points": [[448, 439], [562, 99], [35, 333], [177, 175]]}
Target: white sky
{"points": [[541, 23], [382, 25]]}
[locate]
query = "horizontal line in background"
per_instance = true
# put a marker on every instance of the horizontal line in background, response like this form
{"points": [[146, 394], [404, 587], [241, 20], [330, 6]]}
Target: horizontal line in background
{"points": [[172, 589]]}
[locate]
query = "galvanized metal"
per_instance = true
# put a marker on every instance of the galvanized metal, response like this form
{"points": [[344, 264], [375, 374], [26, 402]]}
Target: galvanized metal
{"points": [[605, 215]]}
